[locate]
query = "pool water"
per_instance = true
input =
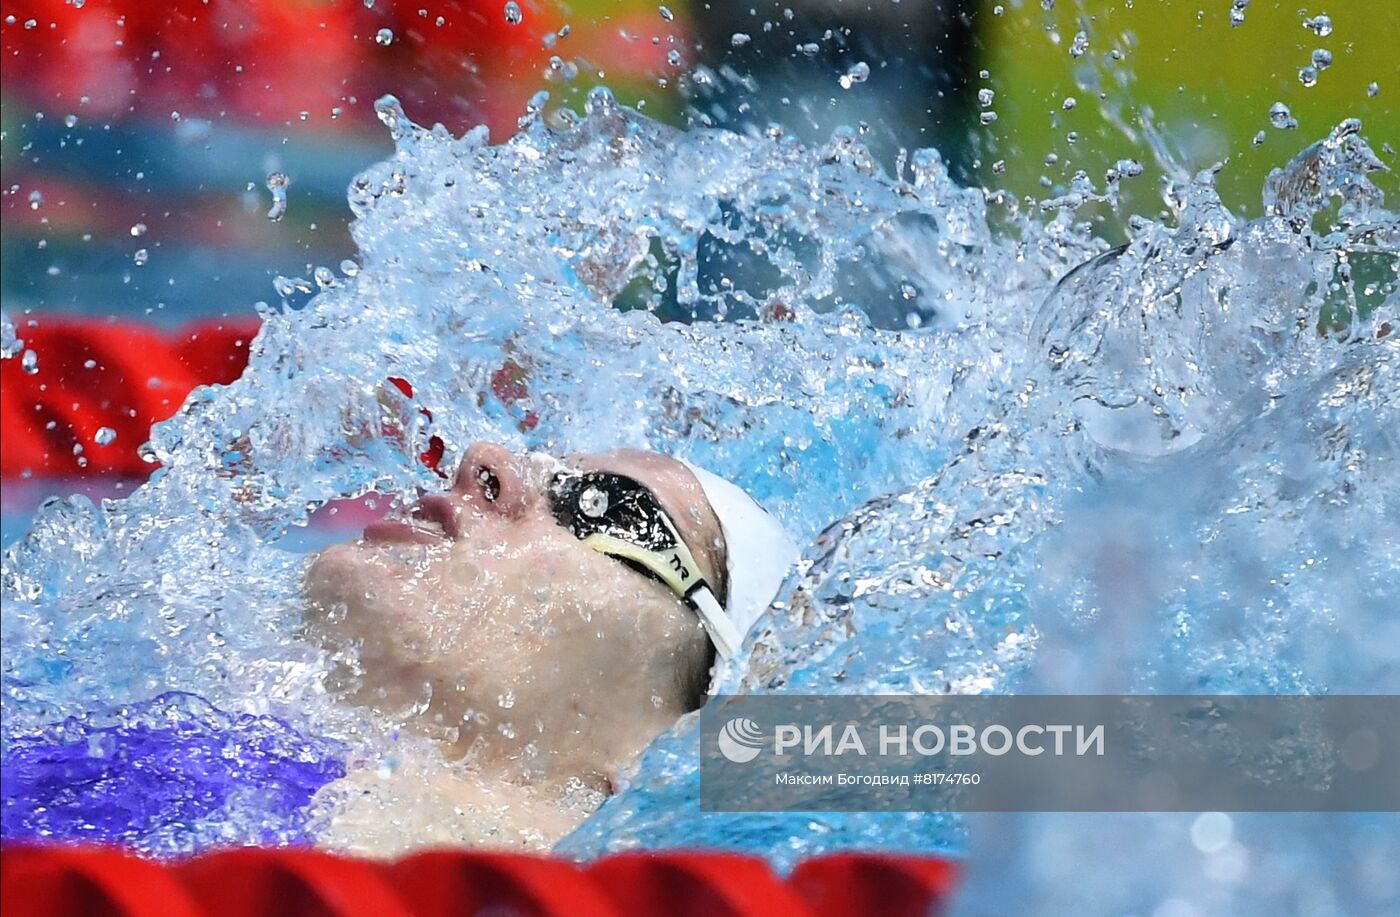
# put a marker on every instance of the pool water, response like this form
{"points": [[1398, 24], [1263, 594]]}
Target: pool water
{"points": [[1020, 459]]}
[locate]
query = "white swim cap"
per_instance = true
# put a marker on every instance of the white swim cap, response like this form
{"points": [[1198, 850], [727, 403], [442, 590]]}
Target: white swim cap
{"points": [[759, 551]]}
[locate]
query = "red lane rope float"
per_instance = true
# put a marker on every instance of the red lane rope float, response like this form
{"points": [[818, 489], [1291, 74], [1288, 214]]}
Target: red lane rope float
{"points": [[85, 376], [695, 885], [445, 883], [848, 884], [97, 882], [252, 882]]}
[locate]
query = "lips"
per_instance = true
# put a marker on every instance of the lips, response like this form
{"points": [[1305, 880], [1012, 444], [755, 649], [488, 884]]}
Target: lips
{"points": [[432, 520], [443, 511], [396, 531]]}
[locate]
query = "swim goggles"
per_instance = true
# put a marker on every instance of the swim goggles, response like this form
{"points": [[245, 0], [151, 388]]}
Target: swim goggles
{"points": [[621, 517]]}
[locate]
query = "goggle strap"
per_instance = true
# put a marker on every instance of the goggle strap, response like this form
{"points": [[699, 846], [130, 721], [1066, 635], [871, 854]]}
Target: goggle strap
{"points": [[679, 571], [674, 567], [723, 633]]}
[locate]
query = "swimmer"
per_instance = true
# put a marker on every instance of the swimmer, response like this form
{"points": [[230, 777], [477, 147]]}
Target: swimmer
{"points": [[542, 621]]}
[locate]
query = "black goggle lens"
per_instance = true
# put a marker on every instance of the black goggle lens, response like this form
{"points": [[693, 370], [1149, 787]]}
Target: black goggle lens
{"points": [[612, 504]]}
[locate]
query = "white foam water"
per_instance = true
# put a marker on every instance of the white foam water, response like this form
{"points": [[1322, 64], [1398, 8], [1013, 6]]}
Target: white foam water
{"points": [[1020, 458]]}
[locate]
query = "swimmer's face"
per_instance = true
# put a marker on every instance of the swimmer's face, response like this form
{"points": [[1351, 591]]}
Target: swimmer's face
{"points": [[481, 617]]}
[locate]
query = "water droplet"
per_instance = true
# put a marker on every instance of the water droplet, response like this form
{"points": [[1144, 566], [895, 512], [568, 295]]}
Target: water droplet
{"points": [[390, 113], [1373, 90], [1123, 168], [666, 14], [506, 700], [36, 198], [29, 362], [105, 436], [1322, 58], [739, 39], [349, 268], [1321, 25], [1259, 139], [277, 184], [384, 36], [988, 117], [673, 57], [1069, 103], [858, 73], [138, 229], [513, 14], [324, 278], [1079, 45], [141, 256], [71, 121], [1281, 117], [337, 111], [1237, 9], [985, 97], [1308, 76]]}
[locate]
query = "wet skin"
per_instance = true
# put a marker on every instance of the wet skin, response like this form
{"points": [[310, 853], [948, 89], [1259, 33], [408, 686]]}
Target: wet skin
{"points": [[485, 624]]}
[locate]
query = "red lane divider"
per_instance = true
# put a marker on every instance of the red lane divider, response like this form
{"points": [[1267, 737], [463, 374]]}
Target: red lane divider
{"points": [[96, 882], [847, 884], [252, 882], [695, 885], [85, 376], [444, 883]]}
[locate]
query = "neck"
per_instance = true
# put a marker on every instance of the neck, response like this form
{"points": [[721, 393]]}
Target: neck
{"points": [[378, 815], [560, 755]]}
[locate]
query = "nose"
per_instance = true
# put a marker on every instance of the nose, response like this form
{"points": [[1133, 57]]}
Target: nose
{"points": [[490, 478]]}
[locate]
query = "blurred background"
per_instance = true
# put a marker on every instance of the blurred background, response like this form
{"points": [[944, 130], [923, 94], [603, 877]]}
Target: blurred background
{"points": [[164, 163]]}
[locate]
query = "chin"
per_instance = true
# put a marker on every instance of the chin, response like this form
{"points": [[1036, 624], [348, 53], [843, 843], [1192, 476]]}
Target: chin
{"points": [[347, 575], [329, 571], [372, 592]]}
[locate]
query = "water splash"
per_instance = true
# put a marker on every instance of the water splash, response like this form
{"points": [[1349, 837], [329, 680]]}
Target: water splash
{"points": [[968, 387]]}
